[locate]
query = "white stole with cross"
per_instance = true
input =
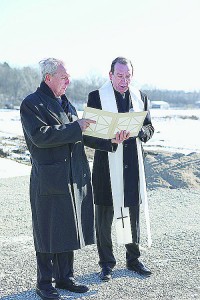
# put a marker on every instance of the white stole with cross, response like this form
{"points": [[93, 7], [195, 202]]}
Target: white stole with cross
{"points": [[121, 213]]}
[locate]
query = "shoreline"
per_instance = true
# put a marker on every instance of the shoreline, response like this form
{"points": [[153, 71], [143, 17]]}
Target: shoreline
{"points": [[163, 169]]}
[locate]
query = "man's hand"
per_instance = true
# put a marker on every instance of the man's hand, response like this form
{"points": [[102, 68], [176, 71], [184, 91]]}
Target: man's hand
{"points": [[142, 135], [85, 123], [120, 137]]}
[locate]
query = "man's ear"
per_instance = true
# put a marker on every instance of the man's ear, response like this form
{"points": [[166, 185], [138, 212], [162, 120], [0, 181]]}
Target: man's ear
{"points": [[47, 77], [110, 75]]}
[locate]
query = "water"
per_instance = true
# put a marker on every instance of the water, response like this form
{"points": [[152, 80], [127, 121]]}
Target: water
{"points": [[10, 124], [175, 130]]}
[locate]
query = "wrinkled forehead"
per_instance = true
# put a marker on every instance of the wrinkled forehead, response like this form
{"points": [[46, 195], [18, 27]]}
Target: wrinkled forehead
{"points": [[62, 71], [122, 68]]}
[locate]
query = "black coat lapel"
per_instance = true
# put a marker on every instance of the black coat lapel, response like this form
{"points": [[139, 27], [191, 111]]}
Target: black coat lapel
{"points": [[53, 106]]}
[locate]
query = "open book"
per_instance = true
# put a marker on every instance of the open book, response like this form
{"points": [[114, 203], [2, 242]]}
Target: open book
{"points": [[109, 123]]}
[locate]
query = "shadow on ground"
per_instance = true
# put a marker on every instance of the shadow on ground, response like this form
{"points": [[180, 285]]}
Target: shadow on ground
{"points": [[90, 279]]}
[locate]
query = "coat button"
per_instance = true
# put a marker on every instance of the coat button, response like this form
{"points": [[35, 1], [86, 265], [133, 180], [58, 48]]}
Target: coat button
{"points": [[126, 166], [125, 145], [84, 175]]}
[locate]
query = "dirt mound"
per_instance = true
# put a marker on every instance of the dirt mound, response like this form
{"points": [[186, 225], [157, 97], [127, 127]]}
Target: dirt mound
{"points": [[172, 170], [163, 169]]}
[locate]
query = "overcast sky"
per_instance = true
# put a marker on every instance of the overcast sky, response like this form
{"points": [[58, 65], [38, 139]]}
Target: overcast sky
{"points": [[161, 37]]}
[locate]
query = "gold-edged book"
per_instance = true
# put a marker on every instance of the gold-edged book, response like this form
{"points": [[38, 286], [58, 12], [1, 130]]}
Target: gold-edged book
{"points": [[109, 123]]}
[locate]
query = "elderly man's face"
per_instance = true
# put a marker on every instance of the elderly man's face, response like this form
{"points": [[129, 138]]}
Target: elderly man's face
{"points": [[121, 77], [58, 82]]}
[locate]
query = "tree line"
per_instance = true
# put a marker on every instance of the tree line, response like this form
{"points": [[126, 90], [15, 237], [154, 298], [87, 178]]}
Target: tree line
{"points": [[17, 83]]}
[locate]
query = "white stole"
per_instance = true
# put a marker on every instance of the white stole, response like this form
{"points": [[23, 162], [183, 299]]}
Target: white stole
{"points": [[121, 213]]}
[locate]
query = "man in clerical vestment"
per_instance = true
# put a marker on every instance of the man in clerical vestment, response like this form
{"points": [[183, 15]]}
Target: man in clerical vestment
{"points": [[118, 172]]}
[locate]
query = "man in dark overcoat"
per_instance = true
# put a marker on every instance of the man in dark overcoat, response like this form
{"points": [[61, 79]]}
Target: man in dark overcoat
{"points": [[118, 96], [60, 183]]}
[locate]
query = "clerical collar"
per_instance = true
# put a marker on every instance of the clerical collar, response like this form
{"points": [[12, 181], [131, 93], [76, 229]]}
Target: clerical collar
{"points": [[123, 102], [119, 94]]}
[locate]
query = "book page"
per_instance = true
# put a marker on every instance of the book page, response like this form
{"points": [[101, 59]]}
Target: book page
{"points": [[109, 123], [131, 121], [105, 121]]}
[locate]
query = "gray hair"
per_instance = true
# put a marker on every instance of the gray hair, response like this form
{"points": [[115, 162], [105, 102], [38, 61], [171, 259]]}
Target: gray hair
{"points": [[49, 66], [120, 60]]}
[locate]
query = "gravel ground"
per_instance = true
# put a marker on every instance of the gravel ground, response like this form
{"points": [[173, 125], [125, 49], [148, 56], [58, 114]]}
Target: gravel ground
{"points": [[173, 258]]}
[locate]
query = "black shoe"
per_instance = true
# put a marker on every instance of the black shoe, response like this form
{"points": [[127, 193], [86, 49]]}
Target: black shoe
{"points": [[105, 274], [48, 294], [72, 286], [139, 268]]}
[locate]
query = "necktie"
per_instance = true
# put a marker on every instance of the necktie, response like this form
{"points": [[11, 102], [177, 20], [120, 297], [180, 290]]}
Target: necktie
{"points": [[66, 107], [123, 103]]}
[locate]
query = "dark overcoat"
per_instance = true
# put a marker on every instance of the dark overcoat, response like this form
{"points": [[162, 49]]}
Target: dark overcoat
{"points": [[101, 174], [60, 183]]}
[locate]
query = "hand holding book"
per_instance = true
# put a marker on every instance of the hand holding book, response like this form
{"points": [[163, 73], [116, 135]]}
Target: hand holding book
{"points": [[120, 137]]}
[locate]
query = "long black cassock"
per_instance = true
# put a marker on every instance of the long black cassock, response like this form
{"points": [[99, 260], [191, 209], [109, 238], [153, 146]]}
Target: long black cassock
{"points": [[101, 169]]}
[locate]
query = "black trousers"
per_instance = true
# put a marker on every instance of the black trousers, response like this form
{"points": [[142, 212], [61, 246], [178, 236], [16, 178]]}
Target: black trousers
{"points": [[54, 265], [104, 218]]}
